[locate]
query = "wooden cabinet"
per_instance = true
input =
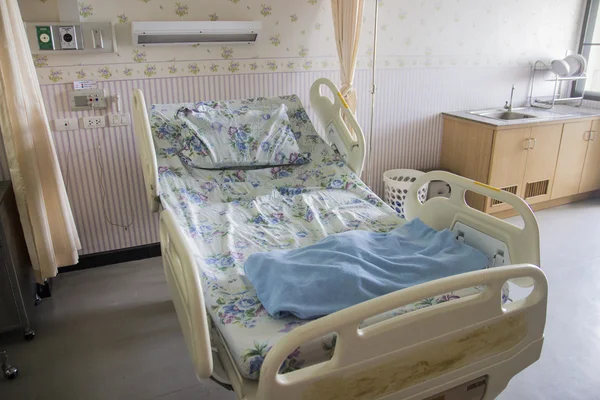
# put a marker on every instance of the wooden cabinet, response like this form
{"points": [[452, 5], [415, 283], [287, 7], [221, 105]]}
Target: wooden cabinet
{"points": [[590, 177], [524, 162], [546, 164], [569, 167], [473, 163]]}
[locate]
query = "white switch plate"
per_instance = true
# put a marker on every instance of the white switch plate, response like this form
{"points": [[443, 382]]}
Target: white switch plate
{"points": [[97, 39], [65, 124], [93, 122], [118, 119]]}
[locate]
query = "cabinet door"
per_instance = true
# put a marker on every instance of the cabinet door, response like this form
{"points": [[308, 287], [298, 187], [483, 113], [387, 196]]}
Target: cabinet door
{"points": [[571, 157], [590, 178], [467, 151], [509, 157], [541, 163]]}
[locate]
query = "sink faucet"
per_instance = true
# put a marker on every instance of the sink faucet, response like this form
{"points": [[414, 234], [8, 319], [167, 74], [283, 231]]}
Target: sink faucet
{"points": [[508, 105]]}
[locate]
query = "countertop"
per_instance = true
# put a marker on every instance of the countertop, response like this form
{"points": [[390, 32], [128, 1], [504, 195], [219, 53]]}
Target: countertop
{"points": [[557, 113]]}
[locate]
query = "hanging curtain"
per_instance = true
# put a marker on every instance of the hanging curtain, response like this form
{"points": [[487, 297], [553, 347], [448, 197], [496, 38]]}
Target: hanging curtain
{"points": [[42, 201], [347, 20]]}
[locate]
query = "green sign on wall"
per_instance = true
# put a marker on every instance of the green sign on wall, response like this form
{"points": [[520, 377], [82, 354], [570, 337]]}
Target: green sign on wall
{"points": [[44, 37]]}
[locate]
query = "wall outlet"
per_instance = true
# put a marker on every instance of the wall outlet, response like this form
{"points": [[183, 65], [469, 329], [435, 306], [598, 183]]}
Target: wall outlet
{"points": [[118, 119], [93, 122], [65, 124]]}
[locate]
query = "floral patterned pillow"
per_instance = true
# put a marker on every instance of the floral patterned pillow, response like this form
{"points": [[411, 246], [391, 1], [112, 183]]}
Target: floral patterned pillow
{"points": [[223, 136]]}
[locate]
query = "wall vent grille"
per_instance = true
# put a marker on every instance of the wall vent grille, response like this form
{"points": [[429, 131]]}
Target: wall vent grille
{"points": [[534, 189]]}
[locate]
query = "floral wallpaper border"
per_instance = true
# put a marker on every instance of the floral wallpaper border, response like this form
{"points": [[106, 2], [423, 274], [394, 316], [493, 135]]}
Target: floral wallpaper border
{"points": [[169, 69], [166, 69]]}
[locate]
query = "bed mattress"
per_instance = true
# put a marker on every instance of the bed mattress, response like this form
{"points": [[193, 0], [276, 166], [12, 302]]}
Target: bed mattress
{"points": [[230, 214]]}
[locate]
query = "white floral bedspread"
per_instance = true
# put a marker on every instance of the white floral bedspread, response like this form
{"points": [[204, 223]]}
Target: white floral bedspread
{"points": [[230, 214]]}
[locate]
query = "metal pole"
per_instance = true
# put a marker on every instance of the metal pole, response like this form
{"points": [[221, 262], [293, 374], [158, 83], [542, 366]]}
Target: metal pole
{"points": [[373, 88]]}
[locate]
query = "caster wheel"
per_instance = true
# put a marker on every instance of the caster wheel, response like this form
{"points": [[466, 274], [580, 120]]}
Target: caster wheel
{"points": [[11, 372], [29, 334]]}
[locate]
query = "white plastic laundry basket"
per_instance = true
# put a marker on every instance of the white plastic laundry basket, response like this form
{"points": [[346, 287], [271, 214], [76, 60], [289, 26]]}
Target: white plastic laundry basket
{"points": [[397, 182]]}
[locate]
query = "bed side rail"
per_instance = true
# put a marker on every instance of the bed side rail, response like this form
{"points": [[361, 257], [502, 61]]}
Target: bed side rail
{"points": [[330, 114], [186, 290], [441, 212], [421, 353], [143, 137]]}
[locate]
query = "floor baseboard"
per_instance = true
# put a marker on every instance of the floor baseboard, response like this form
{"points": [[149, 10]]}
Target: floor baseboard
{"points": [[113, 257]]}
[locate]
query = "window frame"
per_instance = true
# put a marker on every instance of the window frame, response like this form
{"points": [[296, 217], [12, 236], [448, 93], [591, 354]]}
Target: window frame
{"points": [[590, 19]]}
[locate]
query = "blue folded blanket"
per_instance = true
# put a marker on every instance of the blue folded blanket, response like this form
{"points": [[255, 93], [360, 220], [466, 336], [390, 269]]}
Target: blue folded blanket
{"points": [[351, 267]]}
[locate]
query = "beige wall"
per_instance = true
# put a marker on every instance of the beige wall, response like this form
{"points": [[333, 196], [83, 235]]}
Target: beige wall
{"points": [[298, 35], [434, 56]]}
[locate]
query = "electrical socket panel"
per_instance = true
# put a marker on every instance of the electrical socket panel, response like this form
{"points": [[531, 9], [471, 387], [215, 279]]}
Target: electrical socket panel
{"points": [[93, 122], [118, 119], [65, 124]]}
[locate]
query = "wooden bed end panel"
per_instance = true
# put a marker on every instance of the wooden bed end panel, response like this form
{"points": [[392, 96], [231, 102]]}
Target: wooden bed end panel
{"points": [[421, 351], [467, 151], [427, 361]]}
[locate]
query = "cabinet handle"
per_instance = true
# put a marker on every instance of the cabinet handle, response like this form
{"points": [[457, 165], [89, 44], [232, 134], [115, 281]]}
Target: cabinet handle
{"points": [[587, 135], [527, 145], [593, 135], [530, 146]]}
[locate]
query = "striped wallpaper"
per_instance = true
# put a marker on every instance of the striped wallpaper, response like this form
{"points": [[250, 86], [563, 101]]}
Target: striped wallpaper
{"points": [[102, 171]]}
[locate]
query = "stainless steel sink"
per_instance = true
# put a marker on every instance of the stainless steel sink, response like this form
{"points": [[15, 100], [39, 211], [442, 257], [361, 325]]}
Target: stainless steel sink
{"points": [[502, 114]]}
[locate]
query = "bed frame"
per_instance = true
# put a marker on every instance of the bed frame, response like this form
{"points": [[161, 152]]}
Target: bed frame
{"points": [[464, 349]]}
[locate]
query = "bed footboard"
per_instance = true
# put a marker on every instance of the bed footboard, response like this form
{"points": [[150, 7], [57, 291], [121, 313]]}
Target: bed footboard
{"points": [[422, 353], [441, 212]]}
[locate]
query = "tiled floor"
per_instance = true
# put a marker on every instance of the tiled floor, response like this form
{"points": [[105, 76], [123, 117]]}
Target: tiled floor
{"points": [[111, 332]]}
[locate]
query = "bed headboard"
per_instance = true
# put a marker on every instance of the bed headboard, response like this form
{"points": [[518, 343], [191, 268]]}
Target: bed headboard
{"points": [[143, 138], [335, 117]]}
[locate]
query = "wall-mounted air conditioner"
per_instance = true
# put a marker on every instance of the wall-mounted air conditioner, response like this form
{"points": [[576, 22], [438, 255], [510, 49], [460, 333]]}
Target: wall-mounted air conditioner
{"points": [[156, 33]]}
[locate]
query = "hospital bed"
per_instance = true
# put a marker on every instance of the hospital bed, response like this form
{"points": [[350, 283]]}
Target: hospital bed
{"points": [[452, 338]]}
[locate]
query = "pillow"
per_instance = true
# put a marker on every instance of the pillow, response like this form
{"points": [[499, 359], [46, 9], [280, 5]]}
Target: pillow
{"points": [[225, 137]]}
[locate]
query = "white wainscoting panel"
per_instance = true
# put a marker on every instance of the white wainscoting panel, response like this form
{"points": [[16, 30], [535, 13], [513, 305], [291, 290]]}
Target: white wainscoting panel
{"points": [[102, 171]]}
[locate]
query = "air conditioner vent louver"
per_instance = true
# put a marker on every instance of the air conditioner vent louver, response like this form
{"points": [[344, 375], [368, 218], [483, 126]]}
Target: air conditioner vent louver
{"points": [[161, 33], [509, 189]]}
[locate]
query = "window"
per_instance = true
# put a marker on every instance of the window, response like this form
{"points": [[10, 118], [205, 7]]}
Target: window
{"points": [[590, 48]]}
